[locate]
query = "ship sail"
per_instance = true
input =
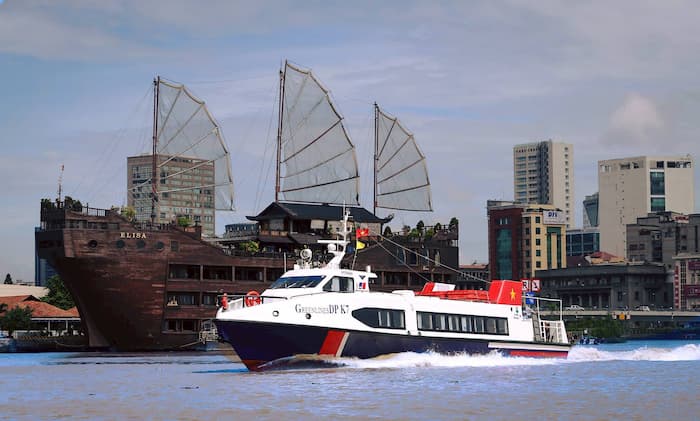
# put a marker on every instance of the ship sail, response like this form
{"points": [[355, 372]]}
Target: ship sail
{"points": [[316, 159], [401, 174], [190, 146]]}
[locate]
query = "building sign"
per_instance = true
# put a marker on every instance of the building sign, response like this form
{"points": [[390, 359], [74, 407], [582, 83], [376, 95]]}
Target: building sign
{"points": [[535, 285], [681, 219], [526, 285], [693, 264], [691, 291], [553, 217]]}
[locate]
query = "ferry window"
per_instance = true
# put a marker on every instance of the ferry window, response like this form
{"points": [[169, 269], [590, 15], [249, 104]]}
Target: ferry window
{"points": [[502, 326], [189, 325], [453, 323], [174, 246], [425, 321], [120, 244], [297, 282], [466, 324], [479, 325], [339, 284], [439, 322], [491, 325], [380, 317], [140, 244]]}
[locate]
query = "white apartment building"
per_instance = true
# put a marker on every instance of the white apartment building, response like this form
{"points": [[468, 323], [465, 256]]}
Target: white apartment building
{"points": [[543, 172], [629, 188]]}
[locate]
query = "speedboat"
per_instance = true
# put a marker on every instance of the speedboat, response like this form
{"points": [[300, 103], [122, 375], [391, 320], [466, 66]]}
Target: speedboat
{"points": [[329, 312]]}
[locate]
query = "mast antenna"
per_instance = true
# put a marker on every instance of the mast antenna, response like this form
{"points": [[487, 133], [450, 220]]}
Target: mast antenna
{"points": [[60, 184]]}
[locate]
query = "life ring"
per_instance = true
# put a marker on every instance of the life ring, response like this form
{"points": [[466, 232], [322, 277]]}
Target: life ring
{"points": [[224, 302], [252, 298]]}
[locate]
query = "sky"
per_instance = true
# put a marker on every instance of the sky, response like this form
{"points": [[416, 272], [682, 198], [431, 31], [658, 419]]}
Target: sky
{"points": [[470, 79]]}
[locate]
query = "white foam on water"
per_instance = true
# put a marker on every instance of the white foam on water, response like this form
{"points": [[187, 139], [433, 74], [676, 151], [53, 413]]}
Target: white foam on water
{"points": [[432, 359], [688, 352]]}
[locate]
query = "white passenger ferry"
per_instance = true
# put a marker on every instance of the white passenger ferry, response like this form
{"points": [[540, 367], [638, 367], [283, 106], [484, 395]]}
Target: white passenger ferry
{"points": [[330, 311]]}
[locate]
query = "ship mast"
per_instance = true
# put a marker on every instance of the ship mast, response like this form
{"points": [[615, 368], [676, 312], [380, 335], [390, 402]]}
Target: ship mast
{"points": [[154, 163], [376, 146], [279, 132]]}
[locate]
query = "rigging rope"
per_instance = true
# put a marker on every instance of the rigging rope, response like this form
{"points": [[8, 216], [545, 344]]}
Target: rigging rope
{"points": [[435, 262]]}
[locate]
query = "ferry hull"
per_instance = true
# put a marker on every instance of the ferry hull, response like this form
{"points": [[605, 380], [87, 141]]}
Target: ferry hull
{"points": [[260, 343]]}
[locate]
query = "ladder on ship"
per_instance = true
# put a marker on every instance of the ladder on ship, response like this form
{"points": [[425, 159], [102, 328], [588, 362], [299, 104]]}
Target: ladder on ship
{"points": [[537, 326]]}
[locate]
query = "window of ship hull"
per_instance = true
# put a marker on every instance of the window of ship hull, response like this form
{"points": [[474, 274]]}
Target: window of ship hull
{"points": [[461, 323], [297, 282], [381, 317]]}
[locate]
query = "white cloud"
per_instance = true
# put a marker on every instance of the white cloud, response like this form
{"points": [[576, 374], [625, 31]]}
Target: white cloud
{"points": [[636, 122]]}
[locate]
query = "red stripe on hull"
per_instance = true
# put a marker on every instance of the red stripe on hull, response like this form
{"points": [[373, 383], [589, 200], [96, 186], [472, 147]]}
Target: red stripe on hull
{"points": [[550, 354], [332, 342], [253, 365]]}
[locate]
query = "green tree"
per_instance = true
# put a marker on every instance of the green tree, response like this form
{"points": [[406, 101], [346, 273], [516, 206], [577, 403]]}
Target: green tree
{"points": [[18, 318], [128, 212], [250, 246], [8, 279], [58, 294], [183, 221], [454, 223]]}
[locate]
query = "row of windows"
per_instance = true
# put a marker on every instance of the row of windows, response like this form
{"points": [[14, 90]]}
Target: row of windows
{"points": [[381, 318], [462, 323]]}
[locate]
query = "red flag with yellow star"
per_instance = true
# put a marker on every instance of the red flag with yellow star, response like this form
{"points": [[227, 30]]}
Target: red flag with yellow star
{"points": [[506, 292]]}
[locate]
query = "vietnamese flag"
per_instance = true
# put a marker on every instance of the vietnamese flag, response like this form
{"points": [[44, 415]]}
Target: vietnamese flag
{"points": [[362, 232]]}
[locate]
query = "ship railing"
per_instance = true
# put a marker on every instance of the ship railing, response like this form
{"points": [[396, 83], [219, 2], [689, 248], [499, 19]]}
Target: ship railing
{"points": [[549, 331]]}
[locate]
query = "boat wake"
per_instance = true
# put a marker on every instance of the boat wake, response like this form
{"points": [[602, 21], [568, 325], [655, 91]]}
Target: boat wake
{"points": [[688, 352], [404, 360]]}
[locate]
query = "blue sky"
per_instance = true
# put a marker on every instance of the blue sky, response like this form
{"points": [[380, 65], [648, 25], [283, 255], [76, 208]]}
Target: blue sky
{"points": [[470, 79]]}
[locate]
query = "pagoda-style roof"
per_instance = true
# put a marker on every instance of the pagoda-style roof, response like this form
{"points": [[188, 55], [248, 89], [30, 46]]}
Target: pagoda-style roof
{"points": [[304, 211]]}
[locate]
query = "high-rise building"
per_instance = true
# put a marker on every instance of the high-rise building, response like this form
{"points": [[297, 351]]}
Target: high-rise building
{"points": [[630, 188], [185, 190], [590, 211], [543, 172], [524, 239]]}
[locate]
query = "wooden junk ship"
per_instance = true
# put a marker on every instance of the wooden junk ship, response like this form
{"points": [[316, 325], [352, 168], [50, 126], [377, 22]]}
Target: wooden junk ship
{"points": [[152, 284]]}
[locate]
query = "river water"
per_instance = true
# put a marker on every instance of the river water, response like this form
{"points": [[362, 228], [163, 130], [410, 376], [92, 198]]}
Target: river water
{"points": [[633, 381]]}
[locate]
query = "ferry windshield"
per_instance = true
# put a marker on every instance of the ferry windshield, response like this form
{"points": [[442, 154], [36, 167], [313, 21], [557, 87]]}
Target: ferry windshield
{"points": [[297, 282]]}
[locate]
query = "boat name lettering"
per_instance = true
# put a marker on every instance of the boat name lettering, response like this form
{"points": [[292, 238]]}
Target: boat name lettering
{"points": [[141, 235], [329, 309]]}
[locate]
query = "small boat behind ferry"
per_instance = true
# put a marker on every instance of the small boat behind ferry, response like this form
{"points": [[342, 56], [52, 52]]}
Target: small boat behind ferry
{"points": [[329, 311]]}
